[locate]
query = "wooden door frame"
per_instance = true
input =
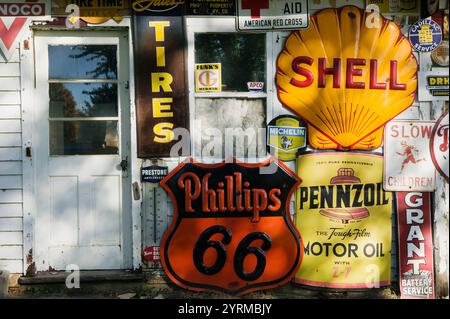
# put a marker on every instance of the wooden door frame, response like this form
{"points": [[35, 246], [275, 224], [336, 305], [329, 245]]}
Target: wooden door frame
{"points": [[132, 210]]}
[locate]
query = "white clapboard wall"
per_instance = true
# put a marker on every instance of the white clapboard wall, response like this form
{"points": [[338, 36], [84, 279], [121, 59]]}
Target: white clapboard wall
{"points": [[11, 244]]}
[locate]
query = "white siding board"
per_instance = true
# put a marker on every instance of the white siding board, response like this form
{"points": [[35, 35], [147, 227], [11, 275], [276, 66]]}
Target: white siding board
{"points": [[11, 238], [11, 168], [10, 111], [11, 182], [11, 252], [10, 97], [9, 69], [9, 84], [14, 58], [10, 126], [10, 154], [10, 196], [10, 210], [10, 139], [10, 224], [13, 266]]}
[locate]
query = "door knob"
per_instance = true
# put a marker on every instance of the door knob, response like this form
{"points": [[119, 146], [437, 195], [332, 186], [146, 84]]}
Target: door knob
{"points": [[124, 164]]}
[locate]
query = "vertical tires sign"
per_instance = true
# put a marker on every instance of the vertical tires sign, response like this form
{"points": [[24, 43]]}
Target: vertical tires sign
{"points": [[344, 217], [160, 86]]}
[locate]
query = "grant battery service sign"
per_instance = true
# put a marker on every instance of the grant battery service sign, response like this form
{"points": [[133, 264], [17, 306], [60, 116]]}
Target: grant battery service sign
{"points": [[344, 217], [415, 243]]}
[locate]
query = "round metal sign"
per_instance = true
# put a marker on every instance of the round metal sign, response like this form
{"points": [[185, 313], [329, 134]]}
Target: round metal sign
{"points": [[439, 145], [425, 35]]}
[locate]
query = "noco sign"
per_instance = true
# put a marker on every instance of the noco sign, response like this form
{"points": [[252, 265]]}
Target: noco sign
{"points": [[272, 15], [24, 9], [231, 230]]}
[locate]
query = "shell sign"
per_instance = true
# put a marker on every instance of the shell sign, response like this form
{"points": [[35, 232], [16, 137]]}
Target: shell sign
{"points": [[346, 78]]}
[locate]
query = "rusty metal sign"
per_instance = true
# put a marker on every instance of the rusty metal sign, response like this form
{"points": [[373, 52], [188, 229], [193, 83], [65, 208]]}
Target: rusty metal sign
{"points": [[160, 86], [231, 230], [346, 77], [407, 161], [439, 145]]}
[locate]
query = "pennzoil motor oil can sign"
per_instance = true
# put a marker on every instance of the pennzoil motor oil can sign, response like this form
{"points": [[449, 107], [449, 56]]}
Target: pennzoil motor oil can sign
{"points": [[231, 230], [286, 135], [344, 217]]}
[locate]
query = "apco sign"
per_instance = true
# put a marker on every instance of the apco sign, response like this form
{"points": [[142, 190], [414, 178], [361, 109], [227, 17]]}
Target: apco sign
{"points": [[344, 217], [434, 85], [208, 77], [160, 86], [272, 15], [286, 135], [231, 230], [415, 243], [407, 161], [346, 88], [439, 145]]}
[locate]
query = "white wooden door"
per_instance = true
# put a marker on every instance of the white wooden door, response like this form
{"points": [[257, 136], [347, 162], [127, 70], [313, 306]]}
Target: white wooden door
{"points": [[81, 137]]}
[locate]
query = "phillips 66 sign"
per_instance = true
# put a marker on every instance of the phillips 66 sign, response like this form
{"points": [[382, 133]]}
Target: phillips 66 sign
{"points": [[231, 229]]}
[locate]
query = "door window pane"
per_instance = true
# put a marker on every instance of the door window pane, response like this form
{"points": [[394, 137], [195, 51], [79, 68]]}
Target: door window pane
{"points": [[85, 99], [243, 57], [83, 137], [82, 61]]}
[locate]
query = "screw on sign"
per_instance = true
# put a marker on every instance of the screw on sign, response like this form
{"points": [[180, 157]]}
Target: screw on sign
{"points": [[231, 230], [439, 145]]}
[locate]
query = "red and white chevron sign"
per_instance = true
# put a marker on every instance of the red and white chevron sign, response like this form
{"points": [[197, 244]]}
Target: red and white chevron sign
{"points": [[14, 18]]}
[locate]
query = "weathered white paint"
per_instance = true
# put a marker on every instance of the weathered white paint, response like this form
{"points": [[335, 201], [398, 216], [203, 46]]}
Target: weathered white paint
{"points": [[83, 211], [10, 224], [10, 126], [11, 168], [10, 196], [27, 82], [10, 139], [10, 111], [11, 238], [9, 83], [9, 97], [9, 69], [14, 57], [10, 210], [11, 182], [12, 266], [10, 154], [11, 252]]}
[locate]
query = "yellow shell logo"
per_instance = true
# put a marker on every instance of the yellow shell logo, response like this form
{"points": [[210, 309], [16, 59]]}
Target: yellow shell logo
{"points": [[346, 78]]}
